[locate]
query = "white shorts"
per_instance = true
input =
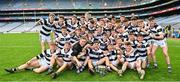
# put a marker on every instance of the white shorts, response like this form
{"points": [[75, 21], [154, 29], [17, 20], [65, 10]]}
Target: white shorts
{"points": [[150, 42], [143, 58], [131, 65], [45, 38], [43, 62], [115, 63], [94, 62], [161, 43]]}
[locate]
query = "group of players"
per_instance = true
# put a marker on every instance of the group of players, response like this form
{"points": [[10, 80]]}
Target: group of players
{"points": [[90, 42]]}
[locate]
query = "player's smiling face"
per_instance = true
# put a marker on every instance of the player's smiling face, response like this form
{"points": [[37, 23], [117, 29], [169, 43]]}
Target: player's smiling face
{"points": [[141, 24], [118, 41], [110, 47], [82, 42], [61, 20], [152, 23], [128, 48], [96, 46], [67, 46], [140, 38], [51, 18], [52, 48], [64, 31]]}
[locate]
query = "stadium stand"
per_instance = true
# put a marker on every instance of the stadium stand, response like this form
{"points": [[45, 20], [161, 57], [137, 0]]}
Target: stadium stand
{"points": [[20, 15]]}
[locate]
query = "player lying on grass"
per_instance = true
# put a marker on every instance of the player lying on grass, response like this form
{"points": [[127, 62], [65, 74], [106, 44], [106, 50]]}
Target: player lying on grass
{"points": [[39, 63], [131, 60]]}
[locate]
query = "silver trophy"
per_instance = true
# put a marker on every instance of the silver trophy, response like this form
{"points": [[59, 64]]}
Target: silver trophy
{"points": [[101, 69]]}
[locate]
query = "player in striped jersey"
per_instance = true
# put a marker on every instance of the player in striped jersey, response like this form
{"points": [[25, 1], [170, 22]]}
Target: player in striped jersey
{"points": [[142, 49], [39, 63], [91, 26], [114, 57], [98, 33], [96, 57], [131, 60], [119, 44], [58, 25], [104, 42], [122, 33], [159, 40], [76, 35], [72, 24], [143, 30], [63, 37], [132, 39], [45, 31], [65, 54]]}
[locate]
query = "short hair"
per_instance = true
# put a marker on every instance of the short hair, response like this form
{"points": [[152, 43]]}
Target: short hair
{"points": [[74, 16], [126, 20], [61, 16], [69, 43], [96, 41], [52, 44], [83, 26], [92, 21], [83, 16], [134, 18], [82, 38], [140, 21], [151, 18], [131, 33], [128, 43], [52, 14], [118, 21], [64, 27], [139, 35], [122, 16]]}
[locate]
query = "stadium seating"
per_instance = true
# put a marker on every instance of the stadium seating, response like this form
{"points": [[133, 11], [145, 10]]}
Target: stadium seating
{"points": [[21, 14]]}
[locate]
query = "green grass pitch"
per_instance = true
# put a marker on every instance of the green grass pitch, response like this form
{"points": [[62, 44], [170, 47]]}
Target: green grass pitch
{"points": [[16, 49]]}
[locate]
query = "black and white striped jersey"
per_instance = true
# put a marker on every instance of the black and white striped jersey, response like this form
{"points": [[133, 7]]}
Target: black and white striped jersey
{"points": [[71, 27], [98, 36], [62, 39], [104, 44], [132, 57], [46, 27], [66, 56], [75, 38], [46, 55], [123, 36], [112, 55], [57, 29], [157, 30], [142, 49], [95, 54], [91, 29]]}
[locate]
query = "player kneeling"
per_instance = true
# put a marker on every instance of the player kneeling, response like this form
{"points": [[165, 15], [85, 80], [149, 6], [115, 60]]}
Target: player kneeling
{"points": [[38, 64], [131, 60]]}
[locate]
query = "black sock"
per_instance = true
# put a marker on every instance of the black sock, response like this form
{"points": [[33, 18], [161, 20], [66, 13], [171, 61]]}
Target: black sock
{"points": [[14, 69]]}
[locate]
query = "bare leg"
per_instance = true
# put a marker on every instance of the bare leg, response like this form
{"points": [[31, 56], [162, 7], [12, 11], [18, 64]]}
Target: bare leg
{"points": [[40, 69]]}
